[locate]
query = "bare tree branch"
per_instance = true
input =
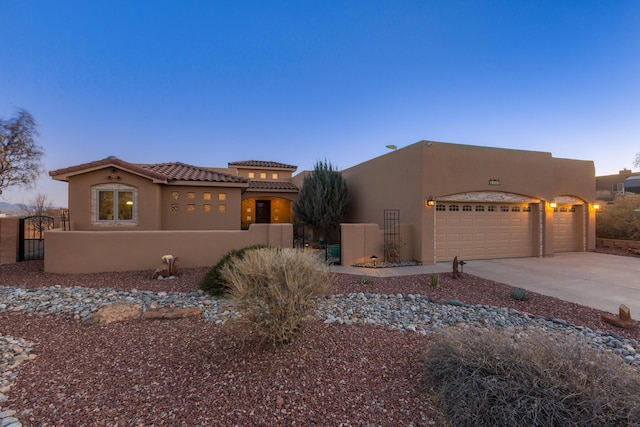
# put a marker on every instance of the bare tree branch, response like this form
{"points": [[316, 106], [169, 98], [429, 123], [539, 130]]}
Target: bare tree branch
{"points": [[20, 153]]}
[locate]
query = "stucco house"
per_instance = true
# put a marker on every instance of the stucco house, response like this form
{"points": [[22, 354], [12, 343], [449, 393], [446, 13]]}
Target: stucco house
{"points": [[608, 187], [438, 200], [475, 202], [112, 194]]}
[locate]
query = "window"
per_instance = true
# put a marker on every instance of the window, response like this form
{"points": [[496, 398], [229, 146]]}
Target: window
{"points": [[618, 187], [515, 209], [175, 195], [191, 208], [191, 195], [175, 207], [263, 175], [526, 209], [454, 208], [115, 205], [466, 208], [274, 176], [206, 195], [222, 196], [479, 208], [504, 208], [206, 208], [491, 208], [252, 175], [441, 207], [563, 209], [222, 208]]}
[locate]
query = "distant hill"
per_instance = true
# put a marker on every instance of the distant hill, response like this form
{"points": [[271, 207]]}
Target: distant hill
{"points": [[10, 208]]}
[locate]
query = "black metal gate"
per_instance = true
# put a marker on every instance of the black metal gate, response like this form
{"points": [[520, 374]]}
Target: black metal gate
{"points": [[392, 241], [32, 228]]}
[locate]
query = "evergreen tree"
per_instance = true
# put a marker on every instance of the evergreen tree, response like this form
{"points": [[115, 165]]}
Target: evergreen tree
{"points": [[323, 199]]}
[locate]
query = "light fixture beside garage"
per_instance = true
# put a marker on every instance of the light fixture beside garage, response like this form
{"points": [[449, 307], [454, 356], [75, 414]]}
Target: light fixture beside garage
{"points": [[553, 204], [596, 206], [430, 202]]}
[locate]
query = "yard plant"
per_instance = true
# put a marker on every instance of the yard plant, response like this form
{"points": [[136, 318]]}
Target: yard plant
{"points": [[275, 291], [490, 379], [213, 283]]}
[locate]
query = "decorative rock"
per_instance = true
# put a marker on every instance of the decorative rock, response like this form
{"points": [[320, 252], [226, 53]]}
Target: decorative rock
{"points": [[117, 312], [168, 267], [623, 320], [170, 313]]}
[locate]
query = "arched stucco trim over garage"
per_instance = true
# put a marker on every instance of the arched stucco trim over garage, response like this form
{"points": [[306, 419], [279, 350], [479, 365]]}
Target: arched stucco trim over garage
{"points": [[488, 197]]}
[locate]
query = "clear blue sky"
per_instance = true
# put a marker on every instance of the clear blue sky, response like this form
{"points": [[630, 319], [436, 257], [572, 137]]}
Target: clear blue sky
{"points": [[208, 82]]}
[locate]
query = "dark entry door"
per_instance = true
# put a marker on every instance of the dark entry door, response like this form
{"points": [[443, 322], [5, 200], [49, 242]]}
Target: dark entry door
{"points": [[263, 211]]}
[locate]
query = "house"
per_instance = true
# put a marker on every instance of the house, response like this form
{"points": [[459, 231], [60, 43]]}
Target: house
{"points": [[446, 200], [610, 186], [112, 194]]}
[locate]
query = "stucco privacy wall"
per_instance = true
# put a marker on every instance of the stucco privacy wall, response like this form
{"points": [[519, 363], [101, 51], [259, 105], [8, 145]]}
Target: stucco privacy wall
{"points": [[360, 241], [9, 236], [99, 251]]}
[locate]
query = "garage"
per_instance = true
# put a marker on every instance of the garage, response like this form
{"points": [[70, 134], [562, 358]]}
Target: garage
{"points": [[567, 228], [483, 230]]}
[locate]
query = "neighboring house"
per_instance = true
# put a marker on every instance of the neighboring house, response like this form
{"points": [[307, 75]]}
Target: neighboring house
{"points": [[112, 194], [610, 186], [477, 202]]}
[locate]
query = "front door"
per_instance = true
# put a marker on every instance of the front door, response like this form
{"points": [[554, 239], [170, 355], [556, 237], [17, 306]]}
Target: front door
{"points": [[263, 211]]}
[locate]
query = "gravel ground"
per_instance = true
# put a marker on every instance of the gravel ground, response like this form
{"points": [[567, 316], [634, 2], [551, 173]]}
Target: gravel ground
{"points": [[194, 372]]}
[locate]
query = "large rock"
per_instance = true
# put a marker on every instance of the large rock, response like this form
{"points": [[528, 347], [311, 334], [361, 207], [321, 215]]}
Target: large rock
{"points": [[170, 313], [623, 320], [116, 312]]}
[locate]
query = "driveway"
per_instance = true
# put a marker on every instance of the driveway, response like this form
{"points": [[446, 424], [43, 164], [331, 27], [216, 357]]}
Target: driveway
{"points": [[586, 278]]}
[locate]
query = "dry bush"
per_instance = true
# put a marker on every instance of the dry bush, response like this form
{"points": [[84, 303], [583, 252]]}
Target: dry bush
{"points": [[490, 379], [275, 291]]}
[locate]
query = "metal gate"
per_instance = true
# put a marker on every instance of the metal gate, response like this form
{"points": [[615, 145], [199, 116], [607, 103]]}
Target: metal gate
{"points": [[392, 241], [32, 228]]}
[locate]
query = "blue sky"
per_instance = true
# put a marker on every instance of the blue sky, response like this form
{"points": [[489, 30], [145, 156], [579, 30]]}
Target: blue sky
{"points": [[209, 82]]}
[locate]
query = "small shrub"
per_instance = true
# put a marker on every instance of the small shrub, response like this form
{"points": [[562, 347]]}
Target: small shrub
{"points": [[392, 249], [520, 294], [490, 379], [275, 291], [365, 280], [435, 280], [213, 283]]}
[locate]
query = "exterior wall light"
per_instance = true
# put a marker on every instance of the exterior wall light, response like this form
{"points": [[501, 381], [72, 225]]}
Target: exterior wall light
{"points": [[553, 204], [430, 202], [596, 206]]}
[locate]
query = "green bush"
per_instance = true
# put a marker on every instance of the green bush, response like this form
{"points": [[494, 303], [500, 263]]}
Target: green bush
{"points": [[275, 291], [490, 379], [435, 280], [520, 294], [213, 283]]}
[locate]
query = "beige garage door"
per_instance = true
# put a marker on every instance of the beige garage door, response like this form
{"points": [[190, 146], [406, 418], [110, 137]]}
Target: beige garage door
{"points": [[566, 230], [483, 230]]}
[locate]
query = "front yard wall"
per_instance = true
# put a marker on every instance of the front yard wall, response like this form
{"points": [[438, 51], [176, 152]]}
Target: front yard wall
{"points": [[74, 252], [9, 236], [360, 241]]}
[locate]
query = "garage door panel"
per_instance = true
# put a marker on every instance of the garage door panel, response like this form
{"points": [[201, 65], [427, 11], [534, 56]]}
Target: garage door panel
{"points": [[483, 234], [566, 230]]}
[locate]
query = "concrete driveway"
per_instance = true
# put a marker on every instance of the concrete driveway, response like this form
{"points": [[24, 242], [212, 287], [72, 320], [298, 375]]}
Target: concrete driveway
{"points": [[586, 278]]}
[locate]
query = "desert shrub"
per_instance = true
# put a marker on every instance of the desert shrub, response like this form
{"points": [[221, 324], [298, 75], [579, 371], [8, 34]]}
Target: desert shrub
{"points": [[620, 219], [392, 250], [490, 379], [275, 291], [365, 280], [520, 294], [213, 283], [435, 280]]}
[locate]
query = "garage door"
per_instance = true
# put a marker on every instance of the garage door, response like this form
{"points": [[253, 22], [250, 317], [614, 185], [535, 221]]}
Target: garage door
{"points": [[566, 230], [483, 230]]}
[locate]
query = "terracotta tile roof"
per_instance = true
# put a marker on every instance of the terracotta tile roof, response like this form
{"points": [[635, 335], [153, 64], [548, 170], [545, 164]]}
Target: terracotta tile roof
{"points": [[109, 161], [183, 172], [161, 172], [272, 185], [262, 164]]}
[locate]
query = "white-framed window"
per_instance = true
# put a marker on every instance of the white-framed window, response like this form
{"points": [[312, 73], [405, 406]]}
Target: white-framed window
{"points": [[618, 187], [114, 204]]}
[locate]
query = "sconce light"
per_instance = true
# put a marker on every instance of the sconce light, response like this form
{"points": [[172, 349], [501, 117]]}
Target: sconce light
{"points": [[596, 206], [553, 204], [130, 202], [430, 202], [373, 259]]}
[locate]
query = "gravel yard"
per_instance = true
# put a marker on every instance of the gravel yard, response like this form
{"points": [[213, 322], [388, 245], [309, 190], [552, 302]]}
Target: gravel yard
{"points": [[199, 372]]}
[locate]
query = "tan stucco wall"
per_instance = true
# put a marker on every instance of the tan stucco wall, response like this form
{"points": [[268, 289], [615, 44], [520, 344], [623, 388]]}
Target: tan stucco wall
{"points": [[574, 178], [181, 217], [93, 252], [9, 237], [80, 196]]}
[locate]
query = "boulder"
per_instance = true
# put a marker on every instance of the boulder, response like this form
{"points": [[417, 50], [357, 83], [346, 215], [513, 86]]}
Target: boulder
{"points": [[168, 267], [622, 320], [116, 312], [170, 313]]}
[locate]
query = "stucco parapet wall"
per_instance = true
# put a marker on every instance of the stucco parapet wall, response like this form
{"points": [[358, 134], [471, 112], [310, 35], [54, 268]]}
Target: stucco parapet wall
{"points": [[487, 196]]}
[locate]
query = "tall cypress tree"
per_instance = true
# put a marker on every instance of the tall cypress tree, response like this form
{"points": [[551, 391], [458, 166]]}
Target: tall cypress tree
{"points": [[323, 199]]}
